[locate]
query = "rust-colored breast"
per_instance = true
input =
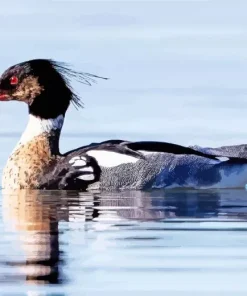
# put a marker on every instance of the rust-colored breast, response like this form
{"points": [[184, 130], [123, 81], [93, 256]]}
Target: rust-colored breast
{"points": [[28, 163]]}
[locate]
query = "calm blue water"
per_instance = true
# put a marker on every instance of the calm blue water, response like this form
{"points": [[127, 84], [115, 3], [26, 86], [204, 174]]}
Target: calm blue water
{"points": [[177, 73], [175, 242]]}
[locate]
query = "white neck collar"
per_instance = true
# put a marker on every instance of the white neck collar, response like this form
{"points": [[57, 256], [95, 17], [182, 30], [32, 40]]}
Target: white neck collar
{"points": [[37, 126]]}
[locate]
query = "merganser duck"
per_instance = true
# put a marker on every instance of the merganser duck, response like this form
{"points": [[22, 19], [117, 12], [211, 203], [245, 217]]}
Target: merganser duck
{"points": [[36, 162]]}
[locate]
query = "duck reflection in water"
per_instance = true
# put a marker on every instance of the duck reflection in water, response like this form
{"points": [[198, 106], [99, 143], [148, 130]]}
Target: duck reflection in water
{"points": [[35, 216]]}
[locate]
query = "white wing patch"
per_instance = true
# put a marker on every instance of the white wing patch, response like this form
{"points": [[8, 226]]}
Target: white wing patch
{"points": [[86, 169], [78, 161], [88, 173], [149, 152], [88, 177], [110, 158], [81, 163], [73, 159], [222, 158]]}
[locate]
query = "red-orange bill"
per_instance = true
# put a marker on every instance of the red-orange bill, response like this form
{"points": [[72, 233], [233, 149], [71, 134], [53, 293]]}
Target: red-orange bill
{"points": [[3, 97]]}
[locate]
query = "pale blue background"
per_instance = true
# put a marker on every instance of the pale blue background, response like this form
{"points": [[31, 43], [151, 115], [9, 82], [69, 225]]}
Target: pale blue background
{"points": [[177, 68]]}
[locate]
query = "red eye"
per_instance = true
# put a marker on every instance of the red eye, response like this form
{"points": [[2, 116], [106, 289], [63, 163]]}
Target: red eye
{"points": [[13, 80]]}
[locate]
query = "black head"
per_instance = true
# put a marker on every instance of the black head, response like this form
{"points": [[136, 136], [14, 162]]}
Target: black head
{"points": [[44, 85]]}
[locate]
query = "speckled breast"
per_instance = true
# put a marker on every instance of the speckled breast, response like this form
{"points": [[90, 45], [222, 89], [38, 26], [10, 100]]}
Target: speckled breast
{"points": [[27, 164]]}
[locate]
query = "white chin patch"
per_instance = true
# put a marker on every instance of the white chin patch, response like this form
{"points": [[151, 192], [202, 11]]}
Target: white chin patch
{"points": [[110, 158]]}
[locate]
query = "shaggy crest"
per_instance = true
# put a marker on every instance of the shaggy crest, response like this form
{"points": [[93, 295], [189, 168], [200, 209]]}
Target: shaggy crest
{"points": [[69, 74]]}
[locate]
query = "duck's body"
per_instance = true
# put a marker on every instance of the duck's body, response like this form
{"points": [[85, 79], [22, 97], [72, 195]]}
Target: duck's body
{"points": [[146, 165], [36, 162]]}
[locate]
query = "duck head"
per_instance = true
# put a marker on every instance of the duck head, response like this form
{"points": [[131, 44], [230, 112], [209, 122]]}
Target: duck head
{"points": [[44, 85]]}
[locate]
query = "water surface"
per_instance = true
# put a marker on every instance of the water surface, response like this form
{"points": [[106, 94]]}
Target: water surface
{"points": [[182, 242]]}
